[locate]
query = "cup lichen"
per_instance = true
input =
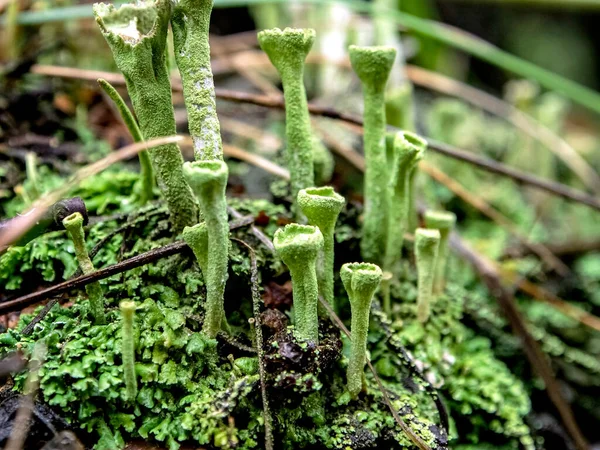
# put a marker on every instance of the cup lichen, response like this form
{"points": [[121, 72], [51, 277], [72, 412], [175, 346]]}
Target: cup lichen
{"points": [[287, 51], [74, 227], [443, 221], [373, 66], [427, 243], [137, 37], [321, 206], [299, 246], [208, 180], [361, 280], [408, 149]]}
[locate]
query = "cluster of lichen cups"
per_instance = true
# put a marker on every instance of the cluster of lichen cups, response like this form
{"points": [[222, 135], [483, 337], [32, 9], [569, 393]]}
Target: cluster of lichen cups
{"points": [[137, 37]]}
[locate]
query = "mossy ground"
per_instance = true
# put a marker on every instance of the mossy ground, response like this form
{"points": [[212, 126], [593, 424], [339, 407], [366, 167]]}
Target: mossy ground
{"points": [[203, 391]]}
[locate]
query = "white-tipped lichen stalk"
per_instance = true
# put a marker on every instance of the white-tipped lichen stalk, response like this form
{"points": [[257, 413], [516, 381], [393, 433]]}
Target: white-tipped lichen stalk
{"points": [[321, 206], [190, 22], [74, 227], [361, 280], [287, 51], [443, 221], [137, 35], [373, 65], [427, 243], [208, 179], [128, 348], [299, 246]]}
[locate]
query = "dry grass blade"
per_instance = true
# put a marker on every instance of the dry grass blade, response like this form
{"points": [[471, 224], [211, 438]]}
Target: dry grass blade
{"points": [[256, 160], [20, 428], [477, 202], [520, 120], [29, 218], [535, 354], [540, 294]]}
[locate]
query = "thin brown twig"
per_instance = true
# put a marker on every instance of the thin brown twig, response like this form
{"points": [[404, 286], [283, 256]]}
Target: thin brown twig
{"points": [[106, 272], [535, 354], [519, 119], [487, 164], [479, 203], [256, 300], [479, 98]]}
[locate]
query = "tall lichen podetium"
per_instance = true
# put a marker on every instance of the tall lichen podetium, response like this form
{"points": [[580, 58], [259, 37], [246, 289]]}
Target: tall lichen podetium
{"points": [[443, 221], [137, 36], [299, 246], [408, 149], [190, 21], [287, 51], [373, 65], [361, 280], [427, 243], [74, 227], [321, 206], [208, 179], [128, 348]]}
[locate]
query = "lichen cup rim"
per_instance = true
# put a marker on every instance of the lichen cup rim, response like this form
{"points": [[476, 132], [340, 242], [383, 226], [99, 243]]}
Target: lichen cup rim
{"points": [[294, 238]]}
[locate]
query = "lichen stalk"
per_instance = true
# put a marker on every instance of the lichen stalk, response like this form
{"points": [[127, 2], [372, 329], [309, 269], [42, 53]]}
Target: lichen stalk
{"points": [[208, 179], [128, 348], [444, 222], [146, 172], [407, 151], [361, 280], [373, 65], [137, 36], [322, 206], [74, 227], [427, 243], [190, 22], [287, 51], [299, 246]]}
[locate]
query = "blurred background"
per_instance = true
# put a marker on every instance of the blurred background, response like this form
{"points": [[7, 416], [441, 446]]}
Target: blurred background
{"points": [[493, 78]]}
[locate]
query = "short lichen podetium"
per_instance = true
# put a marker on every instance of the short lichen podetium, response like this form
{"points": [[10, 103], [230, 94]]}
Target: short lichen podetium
{"points": [[190, 21], [427, 243], [128, 348], [137, 36], [443, 221], [208, 179], [287, 51], [361, 280], [373, 65], [74, 227], [299, 246], [321, 206]]}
